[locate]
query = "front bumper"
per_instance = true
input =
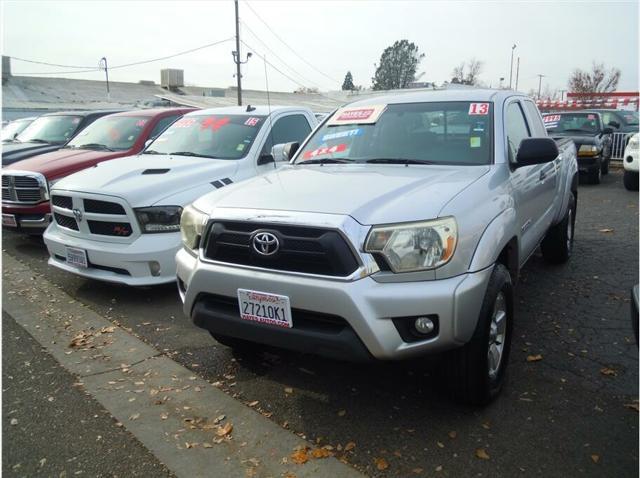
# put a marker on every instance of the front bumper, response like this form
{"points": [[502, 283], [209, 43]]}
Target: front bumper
{"points": [[365, 305], [31, 219], [631, 160], [122, 263]]}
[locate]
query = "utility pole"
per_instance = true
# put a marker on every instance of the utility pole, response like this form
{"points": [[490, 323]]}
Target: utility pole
{"points": [[562, 92], [517, 73], [511, 65], [103, 64], [236, 56], [540, 83]]}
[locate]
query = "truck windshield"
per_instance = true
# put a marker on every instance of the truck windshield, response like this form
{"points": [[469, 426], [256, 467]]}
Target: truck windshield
{"points": [[209, 136], [50, 129], [580, 123], [14, 128], [457, 133], [117, 133]]}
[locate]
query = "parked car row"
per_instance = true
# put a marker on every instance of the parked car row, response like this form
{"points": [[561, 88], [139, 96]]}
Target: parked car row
{"points": [[396, 228]]}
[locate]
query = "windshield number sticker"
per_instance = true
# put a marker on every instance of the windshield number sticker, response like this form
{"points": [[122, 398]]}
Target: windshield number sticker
{"points": [[252, 121], [185, 123], [342, 134], [591, 117], [479, 109], [338, 148], [141, 123], [551, 118], [214, 123]]}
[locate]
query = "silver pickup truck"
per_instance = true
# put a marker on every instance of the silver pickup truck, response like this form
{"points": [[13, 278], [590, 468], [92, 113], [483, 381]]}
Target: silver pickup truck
{"points": [[398, 230]]}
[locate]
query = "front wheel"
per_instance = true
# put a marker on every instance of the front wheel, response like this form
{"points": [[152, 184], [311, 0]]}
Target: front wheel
{"points": [[630, 180], [605, 166], [476, 372], [558, 243], [595, 175]]}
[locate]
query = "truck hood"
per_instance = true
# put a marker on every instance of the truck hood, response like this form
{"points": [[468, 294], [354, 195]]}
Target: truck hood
{"points": [[144, 180], [370, 194], [65, 161], [579, 139], [12, 152]]}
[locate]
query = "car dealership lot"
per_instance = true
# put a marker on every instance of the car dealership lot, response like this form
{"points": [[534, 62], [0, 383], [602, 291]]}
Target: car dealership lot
{"points": [[566, 411]]}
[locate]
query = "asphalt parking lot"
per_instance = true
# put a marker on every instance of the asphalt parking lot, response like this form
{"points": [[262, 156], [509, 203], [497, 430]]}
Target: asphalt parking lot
{"points": [[569, 413]]}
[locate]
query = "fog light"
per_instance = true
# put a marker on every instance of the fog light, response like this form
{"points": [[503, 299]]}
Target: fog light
{"points": [[424, 325], [154, 267]]}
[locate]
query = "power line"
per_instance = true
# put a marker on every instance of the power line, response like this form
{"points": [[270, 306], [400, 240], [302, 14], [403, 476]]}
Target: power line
{"points": [[287, 45], [274, 54], [27, 73], [48, 64], [284, 74]]}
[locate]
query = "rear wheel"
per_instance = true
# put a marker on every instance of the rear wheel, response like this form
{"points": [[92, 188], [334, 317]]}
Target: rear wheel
{"points": [[595, 175], [630, 180], [558, 243], [476, 372]]}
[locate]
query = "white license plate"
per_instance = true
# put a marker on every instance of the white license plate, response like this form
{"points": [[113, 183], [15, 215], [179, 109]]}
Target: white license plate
{"points": [[77, 257], [265, 308], [9, 220]]}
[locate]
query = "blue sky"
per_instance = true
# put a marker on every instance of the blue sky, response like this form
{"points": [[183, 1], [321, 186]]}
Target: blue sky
{"points": [[552, 38]]}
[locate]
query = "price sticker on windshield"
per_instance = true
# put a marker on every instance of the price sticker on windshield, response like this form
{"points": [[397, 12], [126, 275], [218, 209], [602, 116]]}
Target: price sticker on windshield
{"points": [[363, 115], [551, 118], [479, 109]]}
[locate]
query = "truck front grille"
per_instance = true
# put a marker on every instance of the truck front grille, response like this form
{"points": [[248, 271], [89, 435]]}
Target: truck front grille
{"points": [[301, 249], [66, 221], [103, 207], [108, 228], [23, 188], [64, 202]]}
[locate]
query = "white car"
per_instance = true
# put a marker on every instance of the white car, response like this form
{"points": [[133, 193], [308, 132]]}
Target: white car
{"points": [[120, 221], [631, 163]]}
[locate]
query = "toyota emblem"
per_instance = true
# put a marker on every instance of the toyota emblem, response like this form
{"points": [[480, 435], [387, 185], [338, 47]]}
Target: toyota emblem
{"points": [[265, 243], [77, 213]]}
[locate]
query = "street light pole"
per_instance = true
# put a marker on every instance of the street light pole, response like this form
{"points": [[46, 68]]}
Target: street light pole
{"points": [[517, 72], [511, 66], [103, 64], [540, 84], [237, 56]]}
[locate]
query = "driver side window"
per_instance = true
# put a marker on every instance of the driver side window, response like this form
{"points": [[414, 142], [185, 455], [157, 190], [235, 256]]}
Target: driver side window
{"points": [[517, 129], [287, 129]]}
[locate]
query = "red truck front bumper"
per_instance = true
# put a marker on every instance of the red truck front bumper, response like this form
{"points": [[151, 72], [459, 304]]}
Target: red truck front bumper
{"points": [[32, 219]]}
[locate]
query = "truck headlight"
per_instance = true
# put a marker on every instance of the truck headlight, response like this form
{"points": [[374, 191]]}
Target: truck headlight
{"points": [[414, 246], [159, 218], [191, 226], [634, 142], [588, 150]]}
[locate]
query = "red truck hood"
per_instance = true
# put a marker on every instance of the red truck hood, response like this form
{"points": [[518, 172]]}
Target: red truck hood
{"points": [[65, 161]]}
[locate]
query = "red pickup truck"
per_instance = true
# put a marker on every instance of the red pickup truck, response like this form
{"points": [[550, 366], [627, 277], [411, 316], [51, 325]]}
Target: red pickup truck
{"points": [[26, 183]]}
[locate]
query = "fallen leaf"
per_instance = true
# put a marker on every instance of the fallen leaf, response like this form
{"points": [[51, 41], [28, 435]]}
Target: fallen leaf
{"points": [[608, 371], [207, 445], [342, 413], [381, 463], [14, 421], [632, 406], [164, 416], [349, 446], [595, 458], [482, 454], [300, 457], [486, 425], [288, 390], [534, 358], [254, 403], [107, 330], [135, 416], [440, 444], [452, 435], [417, 471], [224, 430], [439, 468], [321, 453], [605, 230]]}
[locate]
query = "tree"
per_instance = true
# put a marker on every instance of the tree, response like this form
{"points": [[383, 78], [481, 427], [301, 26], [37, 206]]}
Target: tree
{"points": [[595, 82], [398, 65], [347, 84], [467, 73], [307, 90]]}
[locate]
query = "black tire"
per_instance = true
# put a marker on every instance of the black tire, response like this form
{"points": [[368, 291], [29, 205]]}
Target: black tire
{"points": [[558, 243], [236, 344], [605, 166], [467, 369], [630, 180], [595, 174]]}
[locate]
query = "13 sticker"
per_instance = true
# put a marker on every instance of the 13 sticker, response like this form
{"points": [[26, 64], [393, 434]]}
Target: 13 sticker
{"points": [[479, 109]]}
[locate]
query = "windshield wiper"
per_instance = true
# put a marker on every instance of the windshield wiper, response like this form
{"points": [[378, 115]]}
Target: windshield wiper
{"points": [[398, 160], [151, 151], [95, 146], [69, 146], [325, 161], [191, 153], [37, 140]]}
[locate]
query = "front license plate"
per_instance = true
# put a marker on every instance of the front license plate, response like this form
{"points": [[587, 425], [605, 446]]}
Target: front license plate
{"points": [[9, 220], [77, 257], [265, 308]]}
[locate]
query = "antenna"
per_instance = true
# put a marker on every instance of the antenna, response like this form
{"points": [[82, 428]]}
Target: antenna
{"points": [[266, 79]]}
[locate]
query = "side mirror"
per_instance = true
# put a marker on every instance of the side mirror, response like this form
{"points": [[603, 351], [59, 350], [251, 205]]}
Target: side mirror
{"points": [[536, 151], [277, 152], [614, 124], [290, 150], [607, 130]]}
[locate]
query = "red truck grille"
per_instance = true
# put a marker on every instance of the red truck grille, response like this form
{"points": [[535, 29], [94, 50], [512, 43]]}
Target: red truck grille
{"points": [[23, 188]]}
